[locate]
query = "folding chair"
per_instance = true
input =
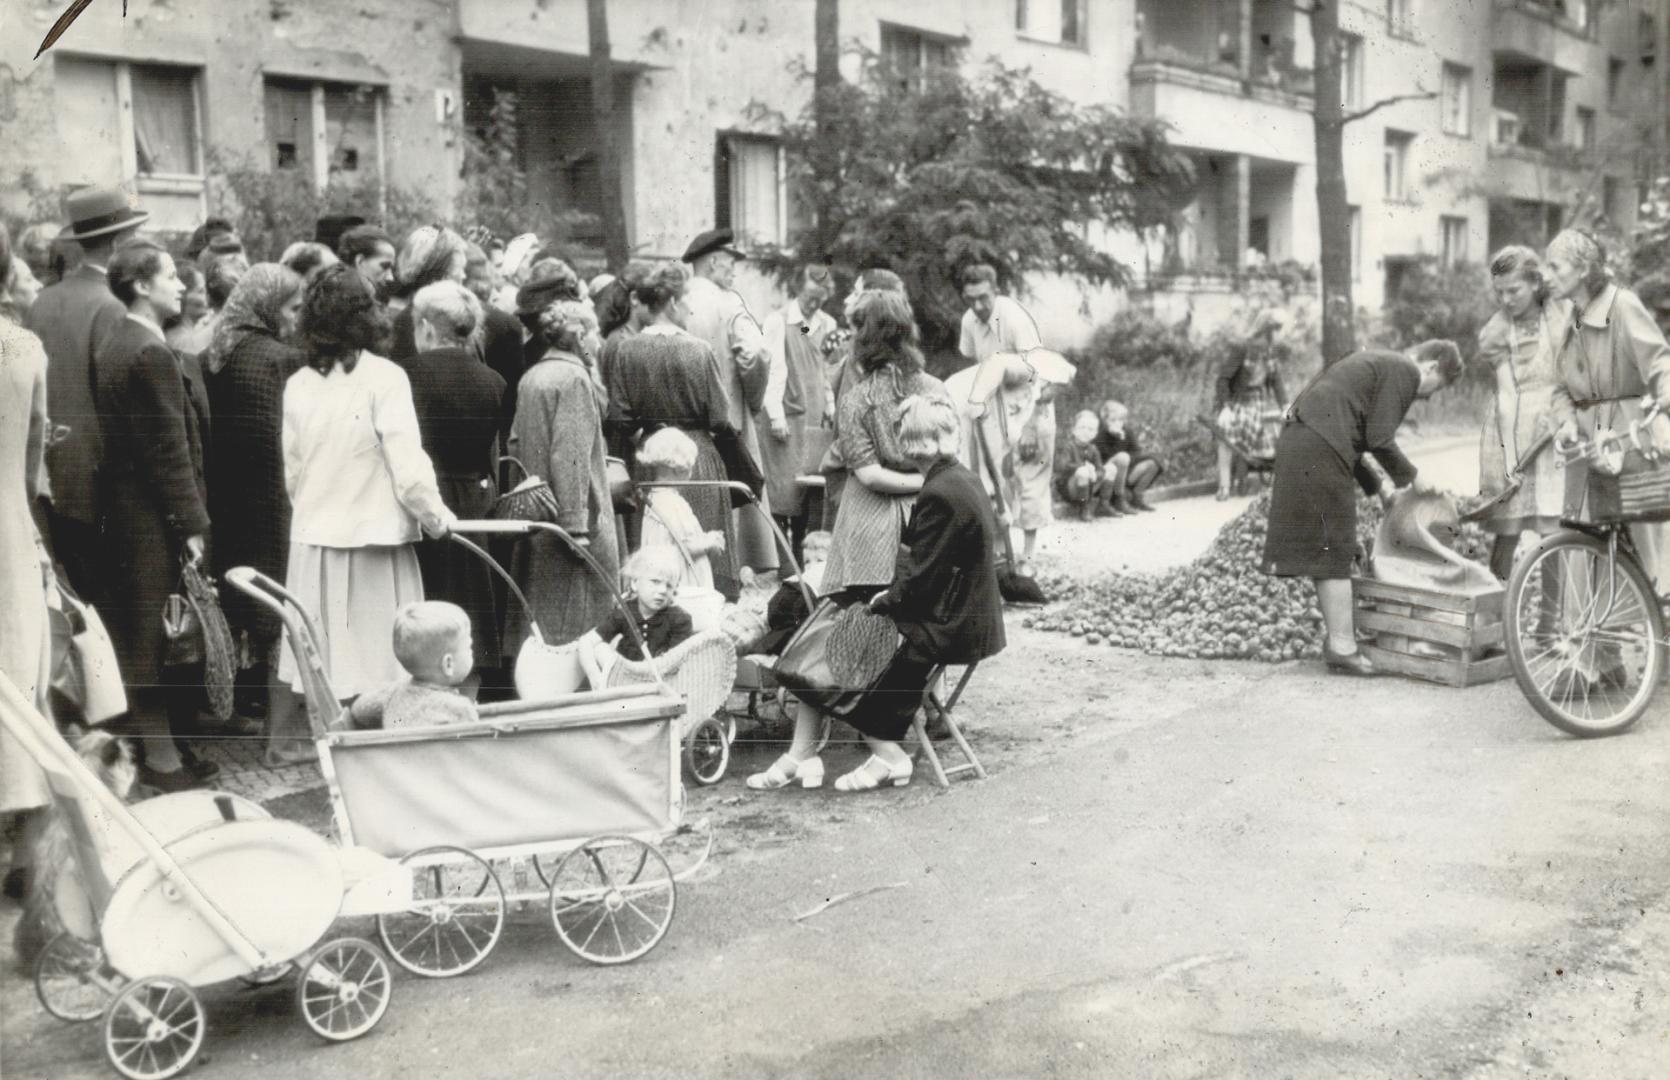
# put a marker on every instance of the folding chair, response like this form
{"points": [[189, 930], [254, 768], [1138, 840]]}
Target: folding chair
{"points": [[943, 711]]}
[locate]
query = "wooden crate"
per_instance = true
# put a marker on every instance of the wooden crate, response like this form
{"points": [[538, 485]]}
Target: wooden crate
{"points": [[1464, 632]]}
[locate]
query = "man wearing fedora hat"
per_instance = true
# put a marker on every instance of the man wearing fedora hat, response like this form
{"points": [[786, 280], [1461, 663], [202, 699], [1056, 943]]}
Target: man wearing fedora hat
{"points": [[74, 319], [720, 317]]}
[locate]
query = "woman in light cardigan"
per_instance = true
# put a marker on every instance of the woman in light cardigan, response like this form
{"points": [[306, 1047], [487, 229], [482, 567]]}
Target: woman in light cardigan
{"points": [[361, 487]]}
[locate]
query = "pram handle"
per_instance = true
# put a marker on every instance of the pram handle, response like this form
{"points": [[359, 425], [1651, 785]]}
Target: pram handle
{"points": [[738, 487], [322, 702]]}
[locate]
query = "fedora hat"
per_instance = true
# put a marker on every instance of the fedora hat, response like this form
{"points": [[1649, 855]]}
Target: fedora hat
{"points": [[709, 242], [100, 211]]}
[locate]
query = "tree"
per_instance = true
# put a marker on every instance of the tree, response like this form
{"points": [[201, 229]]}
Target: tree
{"points": [[615, 248], [1329, 118], [928, 173], [822, 161]]}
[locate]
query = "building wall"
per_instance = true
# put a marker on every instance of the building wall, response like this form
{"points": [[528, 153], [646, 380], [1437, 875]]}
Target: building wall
{"points": [[405, 46]]}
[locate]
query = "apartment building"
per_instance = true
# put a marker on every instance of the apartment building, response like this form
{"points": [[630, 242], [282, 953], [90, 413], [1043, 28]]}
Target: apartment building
{"points": [[1534, 104]]}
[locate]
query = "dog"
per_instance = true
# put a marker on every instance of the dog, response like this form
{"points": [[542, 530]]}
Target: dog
{"points": [[111, 759]]}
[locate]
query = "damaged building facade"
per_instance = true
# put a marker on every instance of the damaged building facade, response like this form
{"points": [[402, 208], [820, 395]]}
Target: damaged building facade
{"points": [[1510, 112]]}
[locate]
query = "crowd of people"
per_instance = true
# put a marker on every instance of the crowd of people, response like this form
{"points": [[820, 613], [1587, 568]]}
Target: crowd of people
{"points": [[329, 418]]}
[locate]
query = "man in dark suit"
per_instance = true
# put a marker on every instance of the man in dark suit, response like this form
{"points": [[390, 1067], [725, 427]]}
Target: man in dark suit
{"points": [[74, 319]]}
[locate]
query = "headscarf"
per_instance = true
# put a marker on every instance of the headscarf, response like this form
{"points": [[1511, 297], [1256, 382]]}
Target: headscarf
{"points": [[253, 308]]}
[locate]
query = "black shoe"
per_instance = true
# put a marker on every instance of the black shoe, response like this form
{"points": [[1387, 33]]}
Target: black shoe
{"points": [[16, 883], [1352, 663], [1103, 510], [1139, 503], [199, 767], [168, 782]]}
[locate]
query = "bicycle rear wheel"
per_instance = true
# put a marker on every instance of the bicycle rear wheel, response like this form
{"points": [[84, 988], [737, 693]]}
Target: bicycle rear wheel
{"points": [[1583, 633]]}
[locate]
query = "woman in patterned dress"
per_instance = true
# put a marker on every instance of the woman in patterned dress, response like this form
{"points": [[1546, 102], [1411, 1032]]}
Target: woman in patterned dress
{"points": [[881, 481], [1520, 343], [1250, 398]]}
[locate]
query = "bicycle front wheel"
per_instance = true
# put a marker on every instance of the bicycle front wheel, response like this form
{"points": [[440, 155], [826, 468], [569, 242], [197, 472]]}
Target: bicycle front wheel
{"points": [[1583, 631]]}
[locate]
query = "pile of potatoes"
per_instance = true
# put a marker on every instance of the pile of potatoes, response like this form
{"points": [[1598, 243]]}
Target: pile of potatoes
{"points": [[1222, 606]]}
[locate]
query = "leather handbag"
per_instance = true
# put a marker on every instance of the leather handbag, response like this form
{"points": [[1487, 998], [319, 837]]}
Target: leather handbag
{"points": [[838, 655]]}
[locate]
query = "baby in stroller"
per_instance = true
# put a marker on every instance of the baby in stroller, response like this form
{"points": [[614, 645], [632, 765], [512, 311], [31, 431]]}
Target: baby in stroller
{"points": [[432, 641], [651, 576]]}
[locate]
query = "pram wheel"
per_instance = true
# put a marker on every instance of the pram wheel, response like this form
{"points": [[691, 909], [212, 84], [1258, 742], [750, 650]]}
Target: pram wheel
{"points": [[70, 980], [154, 1028], [707, 751], [612, 899], [456, 916], [344, 989]]}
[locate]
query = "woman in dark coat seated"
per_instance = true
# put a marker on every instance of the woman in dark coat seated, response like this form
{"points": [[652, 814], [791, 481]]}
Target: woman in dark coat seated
{"points": [[1351, 409], [944, 600]]}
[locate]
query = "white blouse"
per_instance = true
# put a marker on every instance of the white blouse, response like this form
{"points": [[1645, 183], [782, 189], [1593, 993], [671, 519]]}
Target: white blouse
{"points": [[354, 462]]}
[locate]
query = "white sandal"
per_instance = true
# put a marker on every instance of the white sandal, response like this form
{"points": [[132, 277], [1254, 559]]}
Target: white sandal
{"points": [[864, 777], [785, 771]]}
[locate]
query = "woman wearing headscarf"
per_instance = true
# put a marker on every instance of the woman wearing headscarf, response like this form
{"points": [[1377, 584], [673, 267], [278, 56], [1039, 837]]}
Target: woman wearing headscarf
{"points": [[431, 253], [558, 436], [253, 355], [362, 490]]}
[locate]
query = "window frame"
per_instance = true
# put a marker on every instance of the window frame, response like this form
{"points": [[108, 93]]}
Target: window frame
{"points": [[1616, 68], [1448, 252], [1353, 68], [1463, 129], [923, 40], [1400, 141], [1585, 129], [1400, 19], [127, 134], [319, 127], [1023, 8], [724, 190]]}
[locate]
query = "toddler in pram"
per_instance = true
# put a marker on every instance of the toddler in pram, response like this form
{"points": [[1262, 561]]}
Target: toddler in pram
{"points": [[432, 642]]}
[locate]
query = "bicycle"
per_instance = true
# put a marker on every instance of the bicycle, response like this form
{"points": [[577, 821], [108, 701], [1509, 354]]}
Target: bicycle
{"points": [[1583, 625]]}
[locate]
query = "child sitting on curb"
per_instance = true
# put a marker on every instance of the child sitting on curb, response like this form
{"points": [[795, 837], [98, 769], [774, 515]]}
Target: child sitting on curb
{"points": [[1080, 478], [1132, 471], [432, 642]]}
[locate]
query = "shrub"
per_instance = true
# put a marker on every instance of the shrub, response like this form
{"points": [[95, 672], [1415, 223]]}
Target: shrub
{"points": [[274, 208]]}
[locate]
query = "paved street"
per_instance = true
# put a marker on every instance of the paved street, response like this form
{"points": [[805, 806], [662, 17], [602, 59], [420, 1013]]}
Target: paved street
{"points": [[1177, 869]]}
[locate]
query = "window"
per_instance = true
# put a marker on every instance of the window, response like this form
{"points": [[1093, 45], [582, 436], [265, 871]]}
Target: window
{"points": [[1057, 21], [325, 129], [1354, 227], [136, 125], [1400, 17], [1614, 83], [913, 56], [753, 194], [1584, 137], [1453, 245], [1397, 165], [1351, 72], [1457, 100]]}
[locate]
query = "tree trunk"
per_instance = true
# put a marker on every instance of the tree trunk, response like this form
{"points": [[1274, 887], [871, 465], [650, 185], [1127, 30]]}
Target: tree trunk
{"points": [[1339, 335], [615, 248], [825, 162]]}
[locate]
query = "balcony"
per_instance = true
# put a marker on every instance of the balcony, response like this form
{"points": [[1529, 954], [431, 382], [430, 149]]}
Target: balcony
{"points": [[1211, 107], [1543, 31]]}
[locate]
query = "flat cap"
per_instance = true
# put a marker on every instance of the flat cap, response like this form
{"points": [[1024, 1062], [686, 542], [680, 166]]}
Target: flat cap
{"points": [[709, 242]]}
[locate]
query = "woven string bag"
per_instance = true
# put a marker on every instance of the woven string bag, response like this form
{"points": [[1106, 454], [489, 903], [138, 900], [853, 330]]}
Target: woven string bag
{"points": [[219, 659], [861, 645]]}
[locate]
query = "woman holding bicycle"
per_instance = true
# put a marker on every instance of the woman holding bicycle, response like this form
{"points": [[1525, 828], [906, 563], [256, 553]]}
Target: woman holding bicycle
{"points": [[1611, 354], [1521, 345]]}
